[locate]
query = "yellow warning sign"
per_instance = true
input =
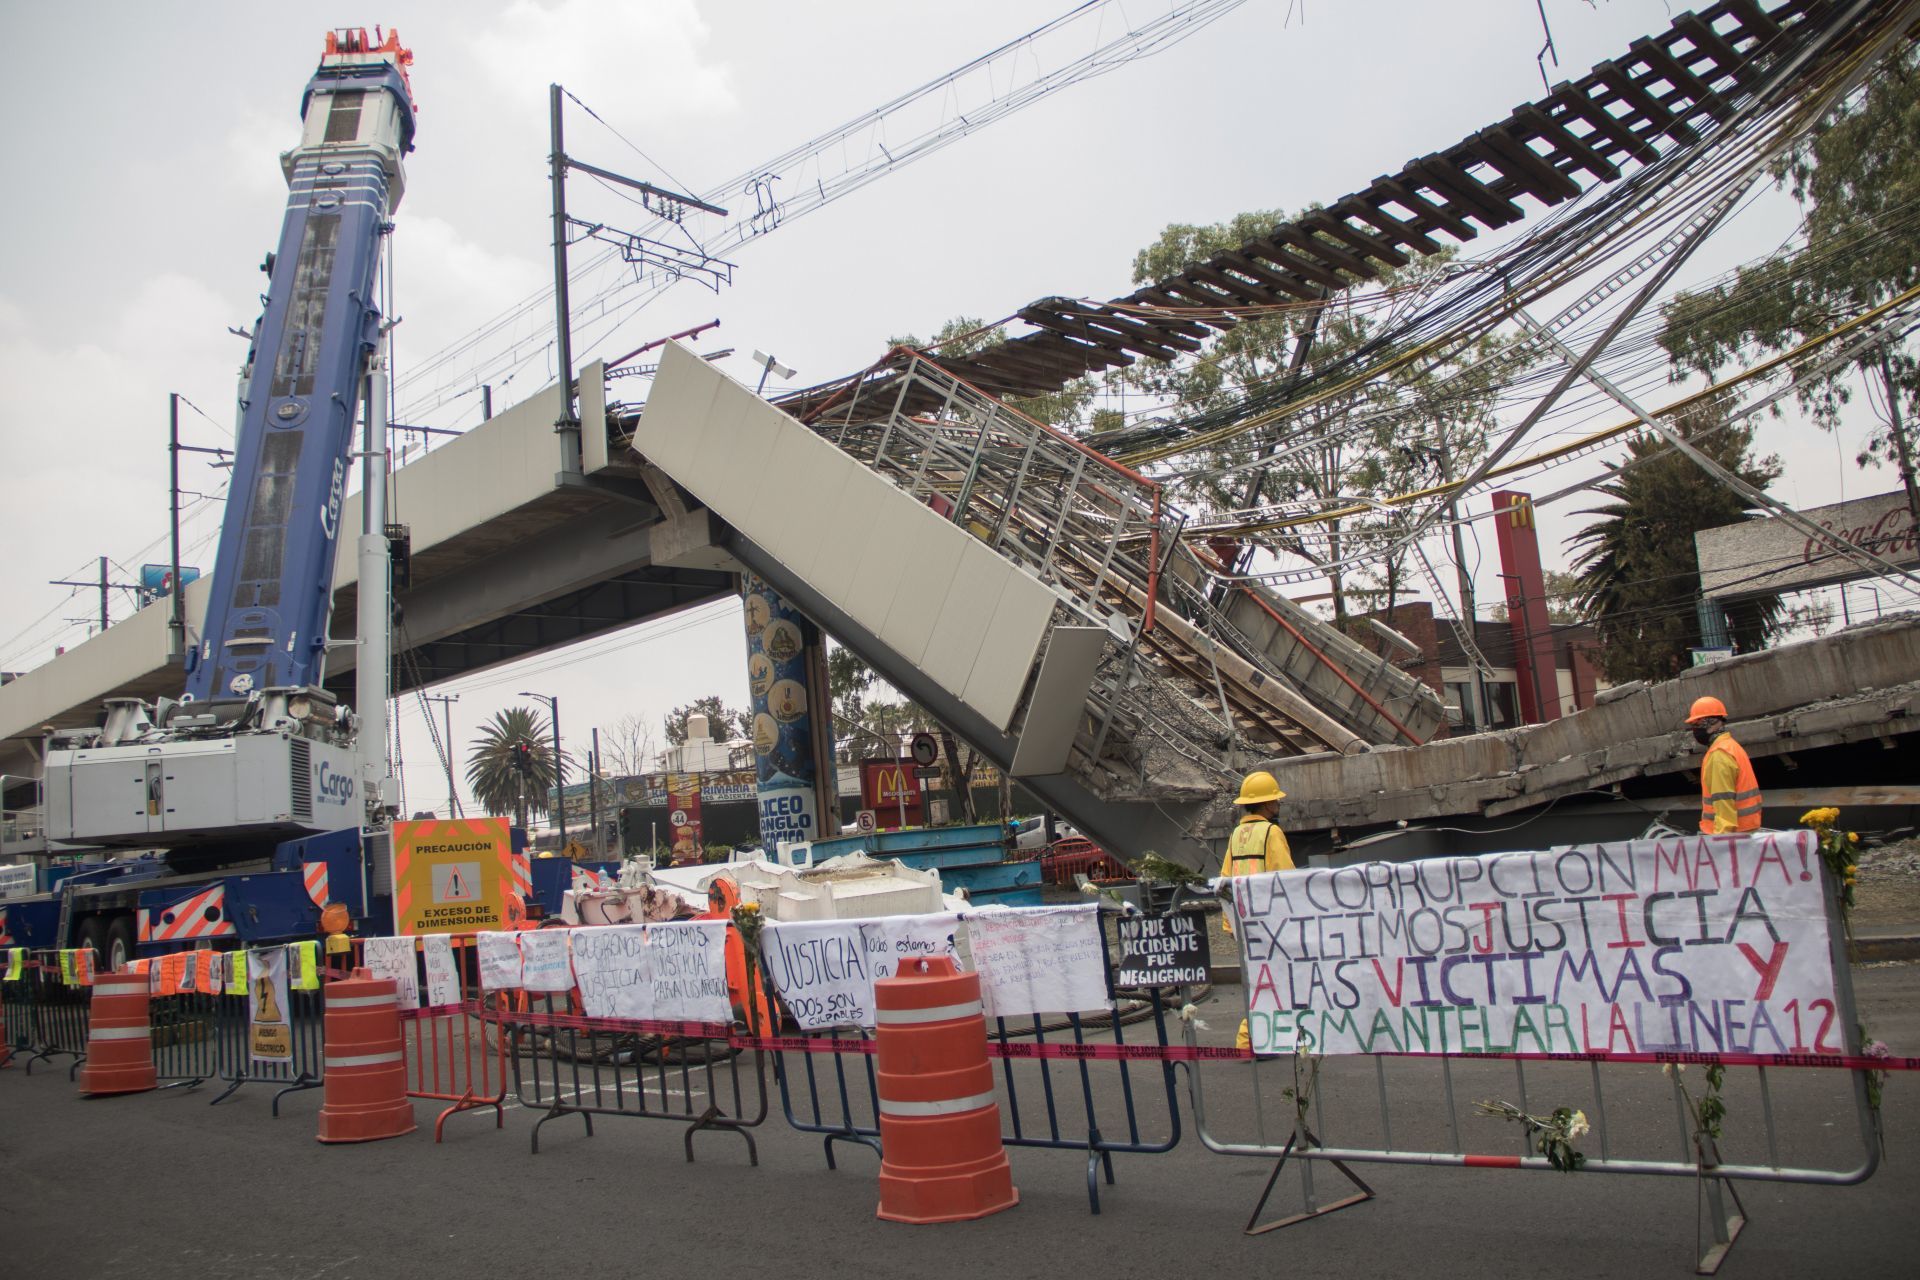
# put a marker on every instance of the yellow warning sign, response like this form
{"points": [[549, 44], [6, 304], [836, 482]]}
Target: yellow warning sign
{"points": [[451, 876]]}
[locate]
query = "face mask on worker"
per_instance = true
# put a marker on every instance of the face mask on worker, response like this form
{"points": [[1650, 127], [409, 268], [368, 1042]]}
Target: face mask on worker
{"points": [[1704, 735]]}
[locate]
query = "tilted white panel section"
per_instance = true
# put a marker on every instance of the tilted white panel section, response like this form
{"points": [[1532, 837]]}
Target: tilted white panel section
{"points": [[1019, 624], [929, 591], [973, 594], [1059, 702]]}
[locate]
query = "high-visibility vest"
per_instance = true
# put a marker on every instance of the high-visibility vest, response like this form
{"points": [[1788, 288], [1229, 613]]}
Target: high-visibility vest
{"points": [[1247, 849], [1746, 788]]}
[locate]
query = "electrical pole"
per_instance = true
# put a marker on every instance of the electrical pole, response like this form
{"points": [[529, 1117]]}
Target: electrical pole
{"points": [[177, 625], [104, 586], [559, 771], [593, 791], [1902, 449], [566, 424], [446, 701]]}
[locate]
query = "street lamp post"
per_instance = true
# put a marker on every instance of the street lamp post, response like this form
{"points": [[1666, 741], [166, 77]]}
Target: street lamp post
{"points": [[559, 770]]}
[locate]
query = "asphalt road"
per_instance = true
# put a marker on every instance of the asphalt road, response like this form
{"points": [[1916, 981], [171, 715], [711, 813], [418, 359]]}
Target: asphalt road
{"points": [[162, 1185]]}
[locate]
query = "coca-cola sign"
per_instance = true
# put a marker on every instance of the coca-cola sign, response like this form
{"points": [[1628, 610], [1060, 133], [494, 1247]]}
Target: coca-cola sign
{"points": [[1771, 555]]}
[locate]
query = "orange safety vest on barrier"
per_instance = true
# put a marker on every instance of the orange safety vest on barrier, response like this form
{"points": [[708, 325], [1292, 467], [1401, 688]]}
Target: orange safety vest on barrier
{"points": [[722, 897], [1726, 778]]}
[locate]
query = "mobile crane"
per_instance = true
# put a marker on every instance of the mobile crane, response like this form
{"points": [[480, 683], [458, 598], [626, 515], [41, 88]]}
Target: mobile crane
{"points": [[257, 797]]}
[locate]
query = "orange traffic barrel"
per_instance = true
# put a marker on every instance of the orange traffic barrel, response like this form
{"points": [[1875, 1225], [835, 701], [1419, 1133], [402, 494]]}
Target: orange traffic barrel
{"points": [[366, 1067], [119, 1040], [941, 1160]]}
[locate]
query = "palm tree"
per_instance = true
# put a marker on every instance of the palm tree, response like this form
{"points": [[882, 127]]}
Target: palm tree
{"points": [[499, 782], [1638, 580]]}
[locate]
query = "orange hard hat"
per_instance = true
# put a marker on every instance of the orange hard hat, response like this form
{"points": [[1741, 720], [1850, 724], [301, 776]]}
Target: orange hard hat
{"points": [[1706, 708]]}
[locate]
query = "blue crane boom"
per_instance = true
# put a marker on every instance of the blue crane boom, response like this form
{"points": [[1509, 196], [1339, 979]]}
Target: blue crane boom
{"points": [[272, 590]]}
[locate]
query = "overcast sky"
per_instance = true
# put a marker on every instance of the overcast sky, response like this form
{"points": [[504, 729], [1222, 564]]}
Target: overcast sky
{"points": [[143, 138]]}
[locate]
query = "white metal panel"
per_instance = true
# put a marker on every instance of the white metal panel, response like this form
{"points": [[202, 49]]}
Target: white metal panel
{"points": [[796, 477], [799, 488], [843, 527], [933, 556], [108, 790], [973, 593], [202, 786], [1007, 654], [1059, 701], [593, 417], [669, 431], [884, 561]]}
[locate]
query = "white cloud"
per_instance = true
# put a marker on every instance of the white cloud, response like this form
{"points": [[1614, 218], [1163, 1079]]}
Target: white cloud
{"points": [[631, 57]]}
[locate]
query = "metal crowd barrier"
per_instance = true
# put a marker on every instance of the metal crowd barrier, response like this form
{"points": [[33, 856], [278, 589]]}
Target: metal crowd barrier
{"points": [[453, 1054], [46, 1009], [1342, 1110], [16, 1007], [564, 1063], [201, 1029], [1078, 1082], [187, 1037]]}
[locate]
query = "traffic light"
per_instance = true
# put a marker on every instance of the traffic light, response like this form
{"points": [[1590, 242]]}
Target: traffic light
{"points": [[633, 829], [522, 759]]}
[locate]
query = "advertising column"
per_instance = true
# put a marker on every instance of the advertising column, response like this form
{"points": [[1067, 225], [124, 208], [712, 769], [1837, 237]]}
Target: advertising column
{"points": [[792, 721], [683, 818]]}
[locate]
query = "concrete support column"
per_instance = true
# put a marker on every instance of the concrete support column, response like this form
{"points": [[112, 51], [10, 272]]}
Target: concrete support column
{"points": [[792, 720]]}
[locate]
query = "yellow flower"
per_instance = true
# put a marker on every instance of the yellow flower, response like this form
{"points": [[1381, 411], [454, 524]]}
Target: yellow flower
{"points": [[1853, 837]]}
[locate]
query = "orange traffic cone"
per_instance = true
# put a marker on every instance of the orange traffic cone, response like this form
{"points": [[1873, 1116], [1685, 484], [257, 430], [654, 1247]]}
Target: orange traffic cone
{"points": [[942, 1159], [119, 1041], [366, 1072]]}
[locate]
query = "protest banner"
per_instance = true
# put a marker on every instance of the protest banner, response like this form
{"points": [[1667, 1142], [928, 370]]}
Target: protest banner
{"points": [[1039, 960], [671, 972], [824, 970], [1701, 944]]}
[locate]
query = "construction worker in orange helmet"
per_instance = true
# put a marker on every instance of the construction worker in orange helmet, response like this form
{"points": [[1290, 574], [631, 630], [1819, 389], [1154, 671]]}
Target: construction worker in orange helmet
{"points": [[1257, 845], [1730, 797]]}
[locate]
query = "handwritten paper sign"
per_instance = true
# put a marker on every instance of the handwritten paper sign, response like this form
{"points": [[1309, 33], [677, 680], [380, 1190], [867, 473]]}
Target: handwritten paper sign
{"points": [[824, 970], [393, 958], [499, 960], [673, 971], [1039, 960], [443, 975], [689, 967], [543, 960], [1162, 951], [1701, 944]]}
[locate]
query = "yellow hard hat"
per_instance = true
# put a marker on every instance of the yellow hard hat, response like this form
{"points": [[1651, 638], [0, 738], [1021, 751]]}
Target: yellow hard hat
{"points": [[1260, 788], [1705, 707]]}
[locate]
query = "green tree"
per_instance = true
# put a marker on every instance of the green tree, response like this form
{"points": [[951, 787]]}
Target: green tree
{"points": [[495, 772], [723, 722], [851, 680], [1857, 179], [1638, 579], [1399, 431]]}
